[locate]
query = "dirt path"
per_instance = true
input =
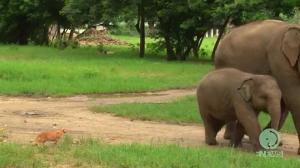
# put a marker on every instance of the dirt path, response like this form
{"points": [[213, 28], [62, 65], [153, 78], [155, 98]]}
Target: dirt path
{"points": [[24, 117]]}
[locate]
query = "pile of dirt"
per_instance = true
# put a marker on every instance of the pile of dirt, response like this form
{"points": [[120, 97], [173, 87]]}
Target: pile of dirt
{"points": [[98, 37]]}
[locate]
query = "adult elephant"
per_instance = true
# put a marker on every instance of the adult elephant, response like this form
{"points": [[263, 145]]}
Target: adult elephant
{"points": [[267, 47]]}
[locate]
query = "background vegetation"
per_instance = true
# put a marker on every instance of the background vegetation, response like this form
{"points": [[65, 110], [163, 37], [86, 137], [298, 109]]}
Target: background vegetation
{"points": [[179, 26]]}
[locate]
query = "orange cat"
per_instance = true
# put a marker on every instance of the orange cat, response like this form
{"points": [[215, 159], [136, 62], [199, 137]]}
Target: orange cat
{"points": [[50, 136]]}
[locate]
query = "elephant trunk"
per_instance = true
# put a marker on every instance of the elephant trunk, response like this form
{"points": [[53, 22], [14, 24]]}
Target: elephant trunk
{"points": [[275, 113]]}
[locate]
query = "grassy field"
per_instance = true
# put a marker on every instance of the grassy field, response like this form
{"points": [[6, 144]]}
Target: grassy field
{"points": [[132, 39], [35, 70], [90, 153], [207, 42], [43, 71], [184, 110], [205, 50]]}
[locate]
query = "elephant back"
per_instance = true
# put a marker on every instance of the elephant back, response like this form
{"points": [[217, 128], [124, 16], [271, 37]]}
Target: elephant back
{"points": [[245, 47]]}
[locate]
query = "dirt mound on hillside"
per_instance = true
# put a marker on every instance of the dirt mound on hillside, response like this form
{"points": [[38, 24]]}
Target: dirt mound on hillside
{"points": [[98, 37]]}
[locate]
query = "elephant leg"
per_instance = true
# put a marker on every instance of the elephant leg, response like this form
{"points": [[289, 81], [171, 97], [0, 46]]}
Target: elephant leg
{"points": [[248, 118], [237, 135], [212, 127], [284, 114], [228, 130], [296, 118], [297, 126], [281, 122]]}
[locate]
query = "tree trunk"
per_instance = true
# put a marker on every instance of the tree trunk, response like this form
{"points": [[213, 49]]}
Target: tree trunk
{"points": [[82, 34], [170, 51], [63, 34], [46, 35], [222, 30], [197, 44], [58, 32], [186, 53], [142, 30], [71, 33], [179, 53], [138, 22], [53, 35], [23, 37], [178, 47]]}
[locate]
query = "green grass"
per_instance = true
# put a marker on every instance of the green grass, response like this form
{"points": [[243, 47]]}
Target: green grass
{"points": [[132, 39], [35, 70], [13, 155], [91, 153], [183, 110], [207, 43], [207, 47], [164, 156]]}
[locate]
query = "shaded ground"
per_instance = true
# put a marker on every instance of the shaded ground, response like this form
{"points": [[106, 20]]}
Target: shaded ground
{"points": [[23, 118]]}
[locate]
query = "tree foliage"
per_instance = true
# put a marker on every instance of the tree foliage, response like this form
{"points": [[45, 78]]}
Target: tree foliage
{"points": [[179, 24], [22, 21], [183, 23]]}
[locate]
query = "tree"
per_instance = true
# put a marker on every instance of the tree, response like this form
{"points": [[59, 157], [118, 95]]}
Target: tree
{"points": [[141, 26], [22, 21], [243, 11], [138, 11], [183, 25], [180, 25], [296, 18], [82, 12]]}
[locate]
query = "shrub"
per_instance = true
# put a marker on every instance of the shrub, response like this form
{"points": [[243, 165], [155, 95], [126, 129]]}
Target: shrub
{"points": [[62, 44]]}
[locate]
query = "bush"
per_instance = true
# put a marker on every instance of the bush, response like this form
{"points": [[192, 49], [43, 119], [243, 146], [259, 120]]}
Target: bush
{"points": [[101, 49], [62, 44], [74, 44], [204, 53], [124, 29], [155, 47]]}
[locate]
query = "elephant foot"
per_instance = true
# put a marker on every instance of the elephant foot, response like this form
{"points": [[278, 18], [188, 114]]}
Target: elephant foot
{"points": [[256, 148], [235, 145], [298, 151], [211, 142], [229, 130], [227, 136]]}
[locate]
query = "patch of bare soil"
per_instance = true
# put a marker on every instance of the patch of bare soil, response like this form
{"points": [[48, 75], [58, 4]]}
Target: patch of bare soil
{"points": [[23, 118]]}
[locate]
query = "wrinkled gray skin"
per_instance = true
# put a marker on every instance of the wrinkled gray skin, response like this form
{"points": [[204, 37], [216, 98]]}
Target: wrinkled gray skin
{"points": [[228, 95], [267, 47]]}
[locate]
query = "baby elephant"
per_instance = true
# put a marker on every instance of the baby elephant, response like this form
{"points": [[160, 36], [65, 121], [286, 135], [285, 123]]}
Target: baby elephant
{"points": [[228, 95]]}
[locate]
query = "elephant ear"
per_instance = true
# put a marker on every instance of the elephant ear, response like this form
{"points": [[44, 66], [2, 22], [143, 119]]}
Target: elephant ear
{"points": [[290, 45], [245, 90]]}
